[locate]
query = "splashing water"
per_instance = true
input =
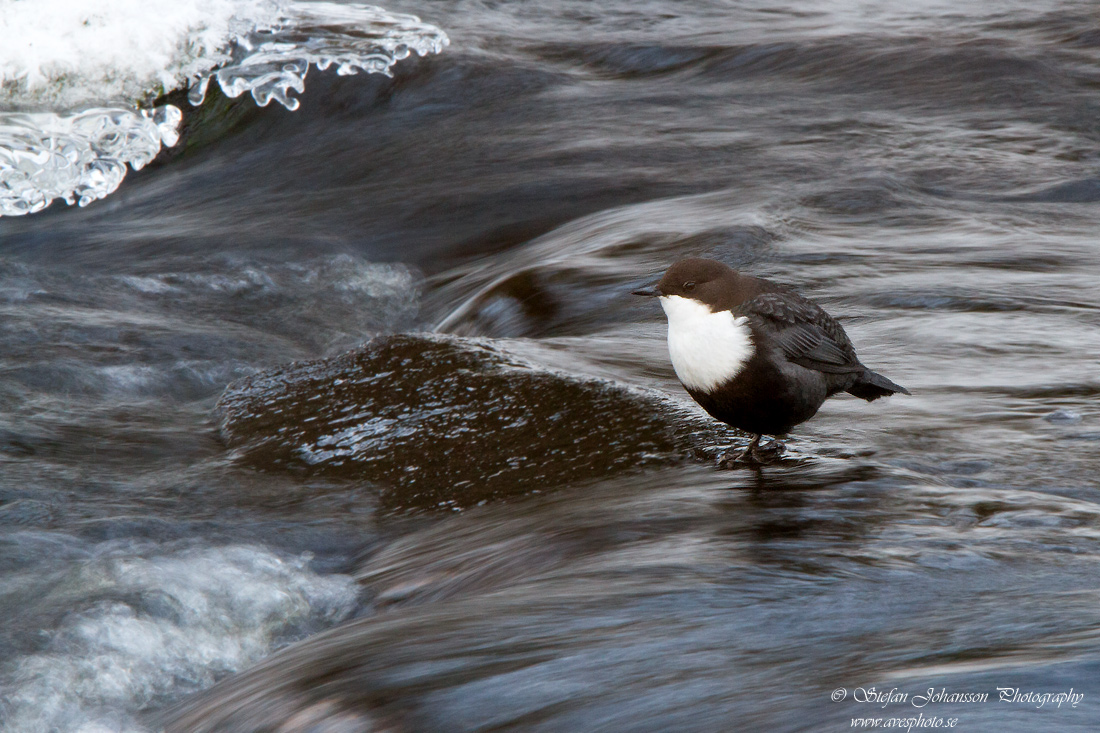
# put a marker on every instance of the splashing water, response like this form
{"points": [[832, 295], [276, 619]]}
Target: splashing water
{"points": [[154, 624]]}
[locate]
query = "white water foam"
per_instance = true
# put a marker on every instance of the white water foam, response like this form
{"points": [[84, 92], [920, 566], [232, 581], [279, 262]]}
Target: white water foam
{"points": [[153, 627], [74, 77]]}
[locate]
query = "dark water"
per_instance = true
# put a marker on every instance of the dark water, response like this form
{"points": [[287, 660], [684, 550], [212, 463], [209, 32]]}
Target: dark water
{"points": [[930, 173]]}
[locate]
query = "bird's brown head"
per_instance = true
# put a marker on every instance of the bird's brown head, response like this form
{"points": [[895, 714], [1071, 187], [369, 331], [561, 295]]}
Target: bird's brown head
{"points": [[707, 281]]}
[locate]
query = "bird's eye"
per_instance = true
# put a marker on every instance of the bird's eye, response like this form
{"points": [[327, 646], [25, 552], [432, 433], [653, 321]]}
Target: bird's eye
{"points": [[689, 285]]}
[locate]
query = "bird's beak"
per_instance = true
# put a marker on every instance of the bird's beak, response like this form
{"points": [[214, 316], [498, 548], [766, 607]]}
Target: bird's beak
{"points": [[650, 292]]}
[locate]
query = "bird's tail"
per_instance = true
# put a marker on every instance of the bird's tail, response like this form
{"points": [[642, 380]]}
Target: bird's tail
{"points": [[871, 385]]}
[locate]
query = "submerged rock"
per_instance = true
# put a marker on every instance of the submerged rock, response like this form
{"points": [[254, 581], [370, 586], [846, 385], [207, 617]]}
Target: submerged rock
{"points": [[439, 421]]}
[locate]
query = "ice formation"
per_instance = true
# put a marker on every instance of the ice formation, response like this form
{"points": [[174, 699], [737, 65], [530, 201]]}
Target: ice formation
{"points": [[77, 80]]}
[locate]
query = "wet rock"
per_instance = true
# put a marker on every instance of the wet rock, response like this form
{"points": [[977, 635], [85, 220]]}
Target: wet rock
{"points": [[445, 422]]}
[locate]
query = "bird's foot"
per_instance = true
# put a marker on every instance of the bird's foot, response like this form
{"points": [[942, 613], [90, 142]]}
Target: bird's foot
{"points": [[769, 452], [753, 455]]}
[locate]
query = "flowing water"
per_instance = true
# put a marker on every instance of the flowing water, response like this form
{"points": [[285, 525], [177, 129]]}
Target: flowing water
{"points": [[928, 171]]}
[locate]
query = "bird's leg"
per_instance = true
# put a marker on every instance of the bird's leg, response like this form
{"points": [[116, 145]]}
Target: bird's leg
{"points": [[754, 453], [748, 455], [773, 450]]}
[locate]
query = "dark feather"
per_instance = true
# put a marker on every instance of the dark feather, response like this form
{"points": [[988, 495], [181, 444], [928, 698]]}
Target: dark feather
{"points": [[806, 334], [872, 385]]}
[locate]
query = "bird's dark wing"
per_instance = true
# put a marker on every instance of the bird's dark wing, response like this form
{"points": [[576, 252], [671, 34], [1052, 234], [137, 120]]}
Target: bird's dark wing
{"points": [[807, 335]]}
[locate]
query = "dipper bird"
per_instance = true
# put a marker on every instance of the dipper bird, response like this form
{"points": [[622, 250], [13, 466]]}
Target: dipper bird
{"points": [[754, 354]]}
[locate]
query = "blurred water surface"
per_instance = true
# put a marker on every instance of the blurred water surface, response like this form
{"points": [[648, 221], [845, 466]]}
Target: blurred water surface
{"points": [[928, 171]]}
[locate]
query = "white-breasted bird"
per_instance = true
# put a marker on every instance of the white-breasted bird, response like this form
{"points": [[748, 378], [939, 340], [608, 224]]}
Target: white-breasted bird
{"points": [[754, 354]]}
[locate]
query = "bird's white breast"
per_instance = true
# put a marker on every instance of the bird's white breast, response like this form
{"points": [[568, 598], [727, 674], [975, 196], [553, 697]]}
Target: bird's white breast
{"points": [[707, 348]]}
